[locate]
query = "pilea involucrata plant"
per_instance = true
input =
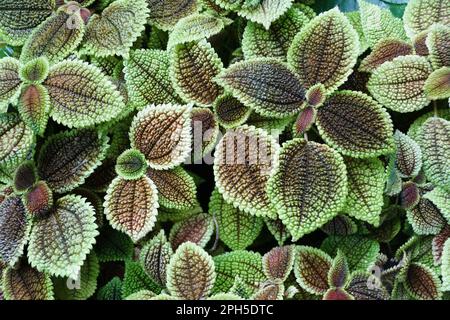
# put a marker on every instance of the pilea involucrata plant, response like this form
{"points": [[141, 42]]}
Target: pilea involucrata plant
{"points": [[224, 149]]}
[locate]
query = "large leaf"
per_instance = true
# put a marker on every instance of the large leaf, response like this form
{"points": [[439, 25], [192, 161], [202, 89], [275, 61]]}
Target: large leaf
{"points": [[309, 187], [422, 283], [366, 179], [26, 283], [60, 242], [266, 85], [325, 50], [9, 81], [131, 206], [114, 31], [398, 84], [165, 14], [237, 229], [197, 229], [421, 14], [356, 125], [190, 273], [18, 18], [244, 160], [81, 95], [163, 134], [193, 65], [311, 269]]}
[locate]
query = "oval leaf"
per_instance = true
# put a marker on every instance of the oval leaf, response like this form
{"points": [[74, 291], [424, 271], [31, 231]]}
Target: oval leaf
{"points": [[26, 283], [197, 229], [311, 269]]}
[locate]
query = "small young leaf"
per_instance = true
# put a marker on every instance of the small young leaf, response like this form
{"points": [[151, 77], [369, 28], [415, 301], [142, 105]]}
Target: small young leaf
{"points": [[230, 112], [38, 200], [191, 273], [364, 286], [25, 176], [131, 164], [131, 206], [422, 283], [114, 31], [9, 81], [311, 269], [408, 157], [421, 14], [356, 125], [237, 229], [410, 195], [437, 44], [325, 50], [309, 187], [244, 161], [437, 86], [306, 118], [278, 263], [165, 15], [193, 66], [67, 158], [338, 275], [265, 84], [163, 134], [398, 84], [197, 229], [35, 71], [15, 229], [34, 107], [26, 283], [112, 245], [60, 242]]}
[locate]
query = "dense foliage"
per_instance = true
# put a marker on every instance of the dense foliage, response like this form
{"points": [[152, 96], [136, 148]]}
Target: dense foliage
{"points": [[224, 149]]}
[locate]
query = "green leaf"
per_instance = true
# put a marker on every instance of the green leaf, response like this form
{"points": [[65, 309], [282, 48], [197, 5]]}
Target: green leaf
{"points": [[237, 229], [67, 158], [265, 84], [341, 225], [19, 17], [191, 273], [408, 156], [379, 24], [244, 160], [112, 245], [87, 281], [135, 280], [355, 19], [355, 125], [15, 229], [360, 252], [131, 164], [416, 126], [114, 31], [155, 257], [437, 44], [445, 266], [60, 242], [193, 66], [34, 107], [385, 50], [265, 11], [311, 269], [165, 15], [197, 229], [418, 249], [278, 263], [163, 134], [437, 86], [441, 199], [422, 283], [365, 286], [56, 37], [398, 84], [309, 187], [274, 42], [278, 230], [366, 178], [421, 14], [245, 264], [325, 50], [425, 218], [81, 95], [434, 140], [35, 71], [9, 81], [131, 206], [230, 112], [111, 291], [197, 27], [26, 283], [141, 295], [176, 188]]}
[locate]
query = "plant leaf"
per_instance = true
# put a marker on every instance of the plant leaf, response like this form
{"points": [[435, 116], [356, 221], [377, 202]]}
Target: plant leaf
{"points": [[230, 112], [355, 125], [112, 245], [60, 242], [131, 206], [38, 200], [437, 45], [339, 273], [425, 218], [311, 269], [341, 225], [244, 160], [421, 14], [111, 291], [437, 86], [205, 130], [116, 29], [165, 15], [131, 164], [272, 291], [325, 50], [135, 280], [163, 134], [337, 294], [35, 71], [398, 84], [15, 229], [265, 84], [445, 266], [364, 286], [278, 230], [191, 273], [410, 195], [237, 229], [408, 157], [278, 263], [193, 66], [309, 187], [422, 283], [265, 11], [197, 229], [441, 199], [438, 244], [26, 283], [34, 107], [9, 81], [67, 158]]}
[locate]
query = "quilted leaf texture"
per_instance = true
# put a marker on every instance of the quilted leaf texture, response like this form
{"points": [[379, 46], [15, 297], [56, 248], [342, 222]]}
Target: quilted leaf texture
{"points": [[112, 245], [131, 164], [165, 15], [9, 81], [325, 50], [265, 11], [136, 280], [311, 269], [408, 158], [441, 199], [437, 44], [60, 242], [309, 186], [445, 266], [197, 229], [278, 263], [80, 95], [338, 275], [191, 273], [426, 218], [230, 111], [421, 14], [422, 283], [365, 286], [111, 291], [34, 71], [131, 206], [34, 107], [244, 160], [437, 86]]}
